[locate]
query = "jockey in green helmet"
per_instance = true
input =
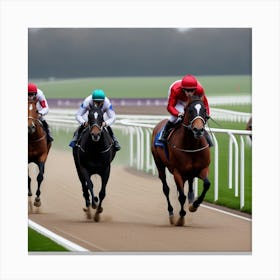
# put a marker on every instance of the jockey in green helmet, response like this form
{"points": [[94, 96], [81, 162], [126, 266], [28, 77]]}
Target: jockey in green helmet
{"points": [[98, 97]]}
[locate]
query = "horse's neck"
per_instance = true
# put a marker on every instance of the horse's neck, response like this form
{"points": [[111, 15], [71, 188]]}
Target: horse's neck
{"points": [[38, 133]]}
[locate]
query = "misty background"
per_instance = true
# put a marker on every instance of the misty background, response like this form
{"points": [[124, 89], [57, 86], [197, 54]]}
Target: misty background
{"points": [[109, 52]]}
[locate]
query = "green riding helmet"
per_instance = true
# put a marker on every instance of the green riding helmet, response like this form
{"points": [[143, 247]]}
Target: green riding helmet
{"points": [[98, 95]]}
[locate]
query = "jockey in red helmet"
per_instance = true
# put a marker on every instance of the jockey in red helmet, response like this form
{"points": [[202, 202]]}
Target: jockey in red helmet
{"points": [[37, 95], [177, 96]]}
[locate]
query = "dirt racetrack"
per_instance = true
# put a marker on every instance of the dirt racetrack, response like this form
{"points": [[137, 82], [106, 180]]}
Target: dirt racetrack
{"points": [[135, 218]]}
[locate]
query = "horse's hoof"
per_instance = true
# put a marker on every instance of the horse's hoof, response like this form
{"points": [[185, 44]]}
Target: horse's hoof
{"points": [[192, 208], [94, 205], [96, 217], [180, 222], [100, 210], [171, 219], [88, 213], [37, 202]]}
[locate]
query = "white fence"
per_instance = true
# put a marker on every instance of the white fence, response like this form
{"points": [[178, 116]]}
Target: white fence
{"points": [[139, 128]]}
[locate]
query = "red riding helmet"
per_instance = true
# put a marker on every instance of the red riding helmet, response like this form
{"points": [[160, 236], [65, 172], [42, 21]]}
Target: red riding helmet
{"points": [[199, 89], [189, 82], [32, 88]]}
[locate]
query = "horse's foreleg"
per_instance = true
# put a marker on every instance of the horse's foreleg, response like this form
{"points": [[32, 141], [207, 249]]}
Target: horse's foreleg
{"points": [[87, 185], [40, 178], [29, 186], [102, 193], [190, 192], [206, 185], [182, 197]]}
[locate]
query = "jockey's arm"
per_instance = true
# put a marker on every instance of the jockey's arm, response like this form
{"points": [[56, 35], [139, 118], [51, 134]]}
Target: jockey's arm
{"points": [[171, 105], [82, 110], [108, 108], [43, 107]]}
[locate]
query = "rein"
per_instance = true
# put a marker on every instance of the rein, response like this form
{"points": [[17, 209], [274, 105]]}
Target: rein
{"points": [[186, 150], [37, 140], [189, 127]]}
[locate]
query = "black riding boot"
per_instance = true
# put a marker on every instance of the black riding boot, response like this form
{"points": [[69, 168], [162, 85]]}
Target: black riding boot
{"points": [[165, 132], [76, 136], [208, 138], [116, 142], [47, 129]]}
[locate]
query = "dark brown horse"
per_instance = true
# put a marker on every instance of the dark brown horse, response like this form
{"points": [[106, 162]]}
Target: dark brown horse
{"points": [[186, 155], [38, 148]]}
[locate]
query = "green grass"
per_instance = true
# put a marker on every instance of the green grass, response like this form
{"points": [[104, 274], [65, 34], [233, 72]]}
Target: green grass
{"points": [[226, 195], [239, 108], [39, 243], [141, 87]]}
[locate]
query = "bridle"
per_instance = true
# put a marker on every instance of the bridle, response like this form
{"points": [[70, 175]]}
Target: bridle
{"points": [[200, 115], [93, 124], [197, 132], [32, 129], [95, 136]]}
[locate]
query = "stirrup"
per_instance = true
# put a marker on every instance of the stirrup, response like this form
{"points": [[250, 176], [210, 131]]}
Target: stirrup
{"points": [[117, 145]]}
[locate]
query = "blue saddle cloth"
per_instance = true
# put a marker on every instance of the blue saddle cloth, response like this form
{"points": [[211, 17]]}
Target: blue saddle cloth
{"points": [[159, 143]]}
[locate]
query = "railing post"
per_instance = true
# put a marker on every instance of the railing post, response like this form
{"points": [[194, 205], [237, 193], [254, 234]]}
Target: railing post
{"points": [[216, 166], [242, 172], [236, 163]]}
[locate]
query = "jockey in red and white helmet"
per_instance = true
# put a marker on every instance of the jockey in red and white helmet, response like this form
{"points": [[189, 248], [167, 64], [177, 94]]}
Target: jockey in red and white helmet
{"points": [[34, 93], [178, 94]]}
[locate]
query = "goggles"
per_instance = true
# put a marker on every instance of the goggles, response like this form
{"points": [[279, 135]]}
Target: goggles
{"points": [[188, 89]]}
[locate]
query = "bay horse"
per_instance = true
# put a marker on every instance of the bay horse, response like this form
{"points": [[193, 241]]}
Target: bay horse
{"points": [[186, 155], [93, 154], [38, 148]]}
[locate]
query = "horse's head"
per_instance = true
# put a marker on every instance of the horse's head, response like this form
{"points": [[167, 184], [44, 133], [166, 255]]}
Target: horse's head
{"points": [[32, 116], [95, 120], [195, 116]]}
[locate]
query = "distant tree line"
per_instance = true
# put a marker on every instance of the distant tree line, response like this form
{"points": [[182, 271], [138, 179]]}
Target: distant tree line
{"points": [[96, 52]]}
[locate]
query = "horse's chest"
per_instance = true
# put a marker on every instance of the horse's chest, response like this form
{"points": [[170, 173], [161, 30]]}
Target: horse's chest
{"points": [[191, 165]]}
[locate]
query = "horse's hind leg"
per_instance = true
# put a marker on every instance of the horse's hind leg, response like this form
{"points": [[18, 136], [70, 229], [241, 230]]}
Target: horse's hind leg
{"points": [[30, 208], [206, 185], [166, 190], [40, 178], [29, 186]]}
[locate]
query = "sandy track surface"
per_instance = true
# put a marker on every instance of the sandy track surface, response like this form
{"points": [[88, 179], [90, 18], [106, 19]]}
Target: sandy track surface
{"points": [[135, 217]]}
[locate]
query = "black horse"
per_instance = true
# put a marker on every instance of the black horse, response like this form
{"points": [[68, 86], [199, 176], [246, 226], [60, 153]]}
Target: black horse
{"points": [[93, 154]]}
